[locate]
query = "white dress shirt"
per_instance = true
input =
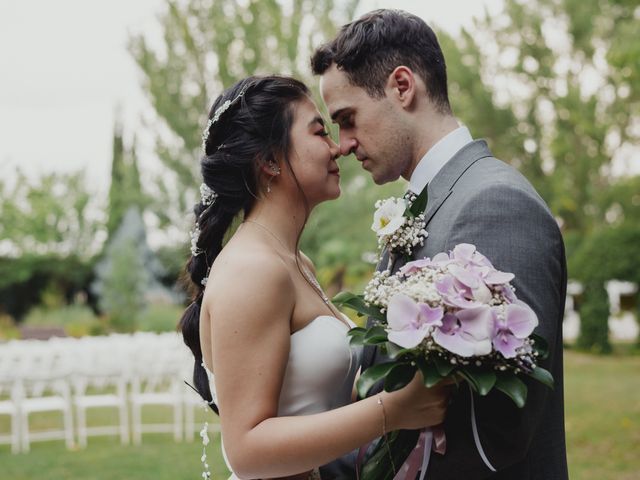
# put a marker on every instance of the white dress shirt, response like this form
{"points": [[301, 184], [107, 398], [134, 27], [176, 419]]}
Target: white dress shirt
{"points": [[437, 157]]}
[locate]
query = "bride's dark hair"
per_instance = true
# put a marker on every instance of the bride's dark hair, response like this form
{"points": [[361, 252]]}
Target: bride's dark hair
{"points": [[254, 130]]}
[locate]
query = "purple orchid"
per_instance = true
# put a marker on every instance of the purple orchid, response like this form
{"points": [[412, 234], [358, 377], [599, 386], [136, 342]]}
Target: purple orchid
{"points": [[512, 327], [416, 265], [409, 322], [455, 293], [467, 333]]}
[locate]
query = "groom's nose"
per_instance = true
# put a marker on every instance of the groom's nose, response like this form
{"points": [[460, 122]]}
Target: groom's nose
{"points": [[347, 145]]}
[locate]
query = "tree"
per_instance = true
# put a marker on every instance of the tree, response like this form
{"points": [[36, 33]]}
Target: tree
{"points": [[608, 254], [127, 273], [553, 85], [55, 214], [125, 190]]}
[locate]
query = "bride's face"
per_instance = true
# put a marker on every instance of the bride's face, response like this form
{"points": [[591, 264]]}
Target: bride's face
{"points": [[313, 154]]}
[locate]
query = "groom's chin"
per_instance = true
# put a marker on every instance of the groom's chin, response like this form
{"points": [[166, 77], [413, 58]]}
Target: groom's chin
{"points": [[378, 180]]}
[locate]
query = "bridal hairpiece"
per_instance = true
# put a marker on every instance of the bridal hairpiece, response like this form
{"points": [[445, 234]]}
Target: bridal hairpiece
{"points": [[207, 197], [216, 116]]}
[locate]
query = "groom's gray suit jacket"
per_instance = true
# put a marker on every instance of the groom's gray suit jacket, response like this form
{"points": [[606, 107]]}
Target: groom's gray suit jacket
{"points": [[478, 199]]}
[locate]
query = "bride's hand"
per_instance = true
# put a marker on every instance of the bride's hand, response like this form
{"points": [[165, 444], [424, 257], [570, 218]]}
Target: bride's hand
{"points": [[416, 406]]}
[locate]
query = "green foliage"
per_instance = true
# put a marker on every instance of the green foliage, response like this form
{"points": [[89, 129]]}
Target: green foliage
{"points": [[8, 329], [519, 80], [127, 272], [594, 319], [608, 254], [51, 215], [160, 318], [26, 280], [125, 190], [77, 320]]}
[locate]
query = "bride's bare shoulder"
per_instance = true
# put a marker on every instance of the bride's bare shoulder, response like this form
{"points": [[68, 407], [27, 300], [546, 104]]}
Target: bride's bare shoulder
{"points": [[237, 271]]}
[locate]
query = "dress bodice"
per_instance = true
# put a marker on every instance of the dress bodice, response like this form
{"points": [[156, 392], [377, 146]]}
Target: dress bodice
{"points": [[320, 370]]}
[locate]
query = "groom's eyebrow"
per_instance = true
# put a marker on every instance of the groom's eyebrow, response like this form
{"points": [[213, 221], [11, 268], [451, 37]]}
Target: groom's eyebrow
{"points": [[335, 115]]}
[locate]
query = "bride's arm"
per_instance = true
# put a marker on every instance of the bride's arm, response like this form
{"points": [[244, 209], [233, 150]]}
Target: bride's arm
{"points": [[250, 313]]}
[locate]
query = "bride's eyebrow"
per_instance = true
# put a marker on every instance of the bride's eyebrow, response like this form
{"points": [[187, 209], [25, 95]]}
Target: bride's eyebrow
{"points": [[316, 119]]}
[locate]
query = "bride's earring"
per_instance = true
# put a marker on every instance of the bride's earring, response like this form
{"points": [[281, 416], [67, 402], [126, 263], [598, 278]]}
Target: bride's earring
{"points": [[275, 169]]}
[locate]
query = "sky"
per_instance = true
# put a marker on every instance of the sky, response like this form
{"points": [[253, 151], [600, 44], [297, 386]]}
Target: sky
{"points": [[65, 71]]}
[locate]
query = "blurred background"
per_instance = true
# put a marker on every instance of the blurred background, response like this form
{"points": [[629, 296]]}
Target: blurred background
{"points": [[101, 109]]}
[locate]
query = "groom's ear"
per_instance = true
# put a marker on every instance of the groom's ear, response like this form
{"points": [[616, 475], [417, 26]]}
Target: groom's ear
{"points": [[401, 85]]}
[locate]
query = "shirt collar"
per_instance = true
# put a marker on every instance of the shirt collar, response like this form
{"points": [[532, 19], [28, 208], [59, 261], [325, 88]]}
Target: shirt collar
{"points": [[437, 156]]}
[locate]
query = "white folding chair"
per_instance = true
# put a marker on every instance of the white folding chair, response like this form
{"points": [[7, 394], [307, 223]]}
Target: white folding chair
{"points": [[44, 381], [100, 383], [156, 380], [46, 395], [10, 393], [9, 405]]}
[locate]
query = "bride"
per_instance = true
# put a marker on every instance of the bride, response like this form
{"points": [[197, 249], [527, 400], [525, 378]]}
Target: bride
{"points": [[260, 322]]}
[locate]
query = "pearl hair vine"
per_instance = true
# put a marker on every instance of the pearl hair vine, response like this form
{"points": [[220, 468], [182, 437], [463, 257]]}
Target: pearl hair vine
{"points": [[207, 197], [216, 116]]}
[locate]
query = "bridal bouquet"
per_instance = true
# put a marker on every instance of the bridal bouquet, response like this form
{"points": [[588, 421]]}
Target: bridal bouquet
{"points": [[453, 315], [450, 316]]}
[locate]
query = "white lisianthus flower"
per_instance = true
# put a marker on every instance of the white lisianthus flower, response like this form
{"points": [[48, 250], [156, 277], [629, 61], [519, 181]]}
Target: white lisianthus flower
{"points": [[389, 216]]}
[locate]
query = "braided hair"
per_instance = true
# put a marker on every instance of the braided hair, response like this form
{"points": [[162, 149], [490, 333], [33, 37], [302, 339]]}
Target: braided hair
{"points": [[252, 129]]}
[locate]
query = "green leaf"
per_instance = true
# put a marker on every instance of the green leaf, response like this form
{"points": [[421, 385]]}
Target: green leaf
{"points": [[375, 335], [399, 376], [542, 375], [420, 203], [371, 376], [540, 345], [396, 352], [444, 367], [357, 335], [357, 303], [482, 381], [515, 388], [429, 372], [398, 445]]}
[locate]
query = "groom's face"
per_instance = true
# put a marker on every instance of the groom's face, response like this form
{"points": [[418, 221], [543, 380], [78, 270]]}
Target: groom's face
{"points": [[369, 127]]}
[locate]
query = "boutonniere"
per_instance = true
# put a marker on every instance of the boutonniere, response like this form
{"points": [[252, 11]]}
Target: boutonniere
{"points": [[400, 224]]}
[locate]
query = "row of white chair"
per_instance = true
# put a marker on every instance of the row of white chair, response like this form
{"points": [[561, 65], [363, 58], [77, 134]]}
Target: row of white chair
{"points": [[68, 375]]}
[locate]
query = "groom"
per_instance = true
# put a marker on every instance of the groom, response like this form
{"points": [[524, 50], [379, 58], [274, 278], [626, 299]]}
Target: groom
{"points": [[383, 79]]}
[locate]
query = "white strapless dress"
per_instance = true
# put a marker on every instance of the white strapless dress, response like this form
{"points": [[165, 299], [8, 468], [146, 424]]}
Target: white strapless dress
{"points": [[320, 371]]}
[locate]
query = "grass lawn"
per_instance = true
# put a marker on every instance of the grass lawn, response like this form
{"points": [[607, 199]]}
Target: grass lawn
{"points": [[602, 417], [602, 410]]}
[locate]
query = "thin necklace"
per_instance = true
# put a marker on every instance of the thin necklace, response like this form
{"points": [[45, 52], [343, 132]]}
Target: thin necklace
{"points": [[305, 272]]}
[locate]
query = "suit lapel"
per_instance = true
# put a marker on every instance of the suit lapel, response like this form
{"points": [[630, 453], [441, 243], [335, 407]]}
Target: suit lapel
{"points": [[442, 184]]}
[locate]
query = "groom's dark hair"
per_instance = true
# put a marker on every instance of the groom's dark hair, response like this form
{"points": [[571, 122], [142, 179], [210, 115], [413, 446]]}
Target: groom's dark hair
{"points": [[367, 50]]}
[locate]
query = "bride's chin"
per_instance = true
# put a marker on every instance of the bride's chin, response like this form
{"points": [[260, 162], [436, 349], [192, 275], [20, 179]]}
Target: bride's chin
{"points": [[335, 193]]}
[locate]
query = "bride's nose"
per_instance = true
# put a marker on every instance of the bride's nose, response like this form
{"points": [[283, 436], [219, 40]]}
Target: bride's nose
{"points": [[334, 148]]}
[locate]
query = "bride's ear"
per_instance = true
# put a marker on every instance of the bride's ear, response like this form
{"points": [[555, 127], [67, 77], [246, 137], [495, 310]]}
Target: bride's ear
{"points": [[270, 168]]}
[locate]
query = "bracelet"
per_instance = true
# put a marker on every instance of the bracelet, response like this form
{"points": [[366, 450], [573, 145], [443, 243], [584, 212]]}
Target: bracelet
{"points": [[384, 434]]}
